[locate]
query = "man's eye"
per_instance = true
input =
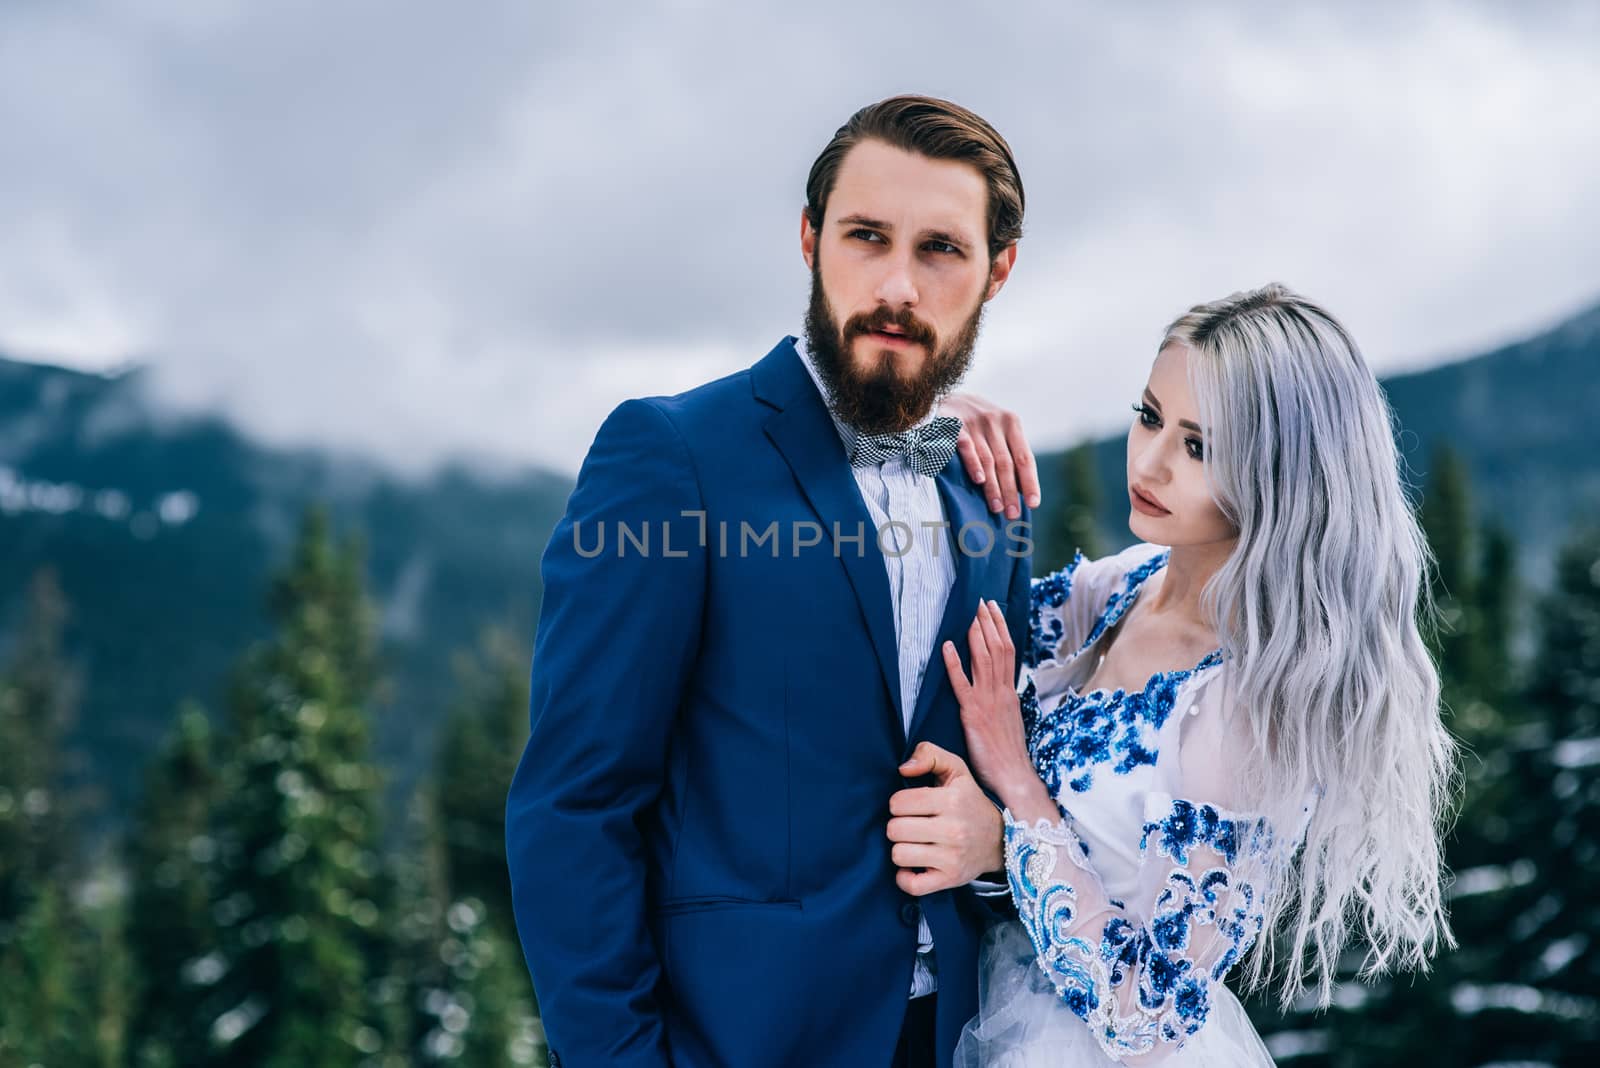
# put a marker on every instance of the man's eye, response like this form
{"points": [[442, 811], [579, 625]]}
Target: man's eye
{"points": [[872, 235], [941, 246]]}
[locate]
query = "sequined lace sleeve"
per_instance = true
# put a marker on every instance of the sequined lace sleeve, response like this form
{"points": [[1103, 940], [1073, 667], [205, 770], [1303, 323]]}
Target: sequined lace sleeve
{"points": [[1141, 972]]}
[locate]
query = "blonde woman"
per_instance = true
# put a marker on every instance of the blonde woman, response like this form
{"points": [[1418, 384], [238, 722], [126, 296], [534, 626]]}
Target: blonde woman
{"points": [[1226, 733]]}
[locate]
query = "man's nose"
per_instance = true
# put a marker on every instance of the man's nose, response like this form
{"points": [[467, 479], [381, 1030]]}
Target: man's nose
{"points": [[897, 287]]}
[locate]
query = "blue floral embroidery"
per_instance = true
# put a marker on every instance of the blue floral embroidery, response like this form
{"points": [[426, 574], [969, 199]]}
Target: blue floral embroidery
{"points": [[1170, 990], [1047, 912], [1083, 730], [1119, 602], [1099, 727], [1188, 826], [1029, 700], [1045, 627]]}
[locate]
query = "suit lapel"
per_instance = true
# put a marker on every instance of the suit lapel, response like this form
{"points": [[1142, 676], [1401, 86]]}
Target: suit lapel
{"points": [[965, 510], [803, 432]]}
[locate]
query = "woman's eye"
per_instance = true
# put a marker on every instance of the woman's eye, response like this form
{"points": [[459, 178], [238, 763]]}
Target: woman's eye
{"points": [[1197, 449], [1147, 415]]}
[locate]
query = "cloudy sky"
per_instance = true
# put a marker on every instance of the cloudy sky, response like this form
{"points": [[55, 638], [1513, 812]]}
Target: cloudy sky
{"points": [[427, 229]]}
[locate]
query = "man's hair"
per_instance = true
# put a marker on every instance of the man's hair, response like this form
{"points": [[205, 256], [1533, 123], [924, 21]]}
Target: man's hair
{"points": [[937, 129]]}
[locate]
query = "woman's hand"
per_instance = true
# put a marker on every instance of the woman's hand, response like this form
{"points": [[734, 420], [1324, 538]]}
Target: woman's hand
{"points": [[994, 452], [991, 714]]}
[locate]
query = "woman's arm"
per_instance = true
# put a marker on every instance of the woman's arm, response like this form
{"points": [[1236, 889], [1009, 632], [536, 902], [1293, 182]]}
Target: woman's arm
{"points": [[1143, 973], [1140, 972]]}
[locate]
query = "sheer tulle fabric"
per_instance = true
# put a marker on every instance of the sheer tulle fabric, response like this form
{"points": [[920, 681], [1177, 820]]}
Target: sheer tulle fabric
{"points": [[1021, 1022]]}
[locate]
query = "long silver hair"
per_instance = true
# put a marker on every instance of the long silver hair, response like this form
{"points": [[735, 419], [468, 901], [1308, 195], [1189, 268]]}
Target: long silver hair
{"points": [[1319, 608]]}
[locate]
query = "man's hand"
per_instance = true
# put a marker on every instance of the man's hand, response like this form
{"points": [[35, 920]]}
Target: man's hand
{"points": [[951, 830], [994, 452]]}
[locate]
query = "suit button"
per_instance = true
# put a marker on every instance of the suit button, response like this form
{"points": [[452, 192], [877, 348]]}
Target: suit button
{"points": [[909, 914]]}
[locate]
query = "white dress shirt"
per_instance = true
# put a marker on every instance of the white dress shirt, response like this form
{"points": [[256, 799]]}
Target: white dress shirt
{"points": [[921, 575]]}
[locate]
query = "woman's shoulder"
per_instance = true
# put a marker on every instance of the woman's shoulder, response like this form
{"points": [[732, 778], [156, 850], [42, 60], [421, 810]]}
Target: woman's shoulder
{"points": [[1067, 604], [1106, 573]]}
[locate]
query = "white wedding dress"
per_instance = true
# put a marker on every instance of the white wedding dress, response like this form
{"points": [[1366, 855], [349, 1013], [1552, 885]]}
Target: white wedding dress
{"points": [[1138, 901]]}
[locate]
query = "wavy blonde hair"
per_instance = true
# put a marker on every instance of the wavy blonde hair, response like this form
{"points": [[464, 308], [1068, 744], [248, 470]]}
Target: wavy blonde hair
{"points": [[1318, 608]]}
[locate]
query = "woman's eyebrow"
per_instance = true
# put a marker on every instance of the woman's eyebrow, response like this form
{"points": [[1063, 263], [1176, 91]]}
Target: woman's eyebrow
{"points": [[1156, 404]]}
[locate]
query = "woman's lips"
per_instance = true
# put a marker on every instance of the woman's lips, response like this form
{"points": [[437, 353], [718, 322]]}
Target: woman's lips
{"points": [[1143, 504]]}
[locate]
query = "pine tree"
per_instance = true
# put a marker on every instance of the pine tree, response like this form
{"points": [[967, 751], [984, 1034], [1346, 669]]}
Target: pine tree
{"points": [[37, 697], [1071, 525], [1550, 973], [297, 903], [472, 995], [1496, 600], [60, 955], [478, 754], [467, 988], [104, 965], [1448, 522], [45, 1016], [172, 871], [484, 1010]]}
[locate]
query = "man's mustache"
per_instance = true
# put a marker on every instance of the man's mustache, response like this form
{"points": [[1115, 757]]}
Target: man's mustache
{"points": [[909, 325]]}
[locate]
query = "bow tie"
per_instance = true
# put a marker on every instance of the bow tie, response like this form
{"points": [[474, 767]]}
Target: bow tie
{"points": [[926, 449]]}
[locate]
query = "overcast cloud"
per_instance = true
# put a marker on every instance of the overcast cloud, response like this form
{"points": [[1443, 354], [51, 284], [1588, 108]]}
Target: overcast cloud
{"points": [[424, 229]]}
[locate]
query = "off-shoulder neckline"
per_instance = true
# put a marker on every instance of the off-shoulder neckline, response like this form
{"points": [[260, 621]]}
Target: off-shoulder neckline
{"points": [[1116, 606]]}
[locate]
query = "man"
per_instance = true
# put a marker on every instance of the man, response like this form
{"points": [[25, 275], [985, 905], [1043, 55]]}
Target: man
{"points": [[742, 832]]}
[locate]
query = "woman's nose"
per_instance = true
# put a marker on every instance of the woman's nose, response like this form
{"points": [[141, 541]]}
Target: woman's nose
{"points": [[1149, 464]]}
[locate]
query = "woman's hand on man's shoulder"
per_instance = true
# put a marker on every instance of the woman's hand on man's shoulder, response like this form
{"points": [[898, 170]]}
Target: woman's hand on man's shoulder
{"points": [[995, 452]]}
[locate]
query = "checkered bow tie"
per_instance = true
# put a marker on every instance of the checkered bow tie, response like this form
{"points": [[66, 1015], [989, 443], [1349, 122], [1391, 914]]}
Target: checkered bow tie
{"points": [[926, 449]]}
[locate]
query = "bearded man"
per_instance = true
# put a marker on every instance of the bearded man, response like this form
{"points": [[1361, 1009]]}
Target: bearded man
{"points": [[743, 832]]}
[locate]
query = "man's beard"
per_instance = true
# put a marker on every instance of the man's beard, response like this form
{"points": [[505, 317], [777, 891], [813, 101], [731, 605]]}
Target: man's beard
{"points": [[878, 400]]}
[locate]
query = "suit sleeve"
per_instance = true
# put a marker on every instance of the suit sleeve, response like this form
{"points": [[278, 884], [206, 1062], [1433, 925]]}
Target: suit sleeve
{"points": [[617, 636]]}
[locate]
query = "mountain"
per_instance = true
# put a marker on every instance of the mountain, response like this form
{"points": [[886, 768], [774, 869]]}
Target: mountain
{"points": [[163, 531], [1519, 416]]}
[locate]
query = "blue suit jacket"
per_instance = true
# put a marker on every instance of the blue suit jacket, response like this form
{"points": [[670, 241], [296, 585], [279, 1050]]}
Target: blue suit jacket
{"points": [[696, 831]]}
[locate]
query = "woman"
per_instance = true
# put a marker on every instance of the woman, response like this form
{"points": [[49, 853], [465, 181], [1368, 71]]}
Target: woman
{"points": [[1228, 737]]}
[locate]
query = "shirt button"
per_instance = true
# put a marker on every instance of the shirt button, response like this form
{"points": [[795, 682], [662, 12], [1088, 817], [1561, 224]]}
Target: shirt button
{"points": [[908, 914]]}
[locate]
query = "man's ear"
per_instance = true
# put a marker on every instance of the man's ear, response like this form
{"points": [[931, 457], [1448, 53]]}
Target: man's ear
{"points": [[808, 238], [1001, 270]]}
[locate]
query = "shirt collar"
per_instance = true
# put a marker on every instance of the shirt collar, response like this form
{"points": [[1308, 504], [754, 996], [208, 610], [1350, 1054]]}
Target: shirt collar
{"points": [[847, 433]]}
